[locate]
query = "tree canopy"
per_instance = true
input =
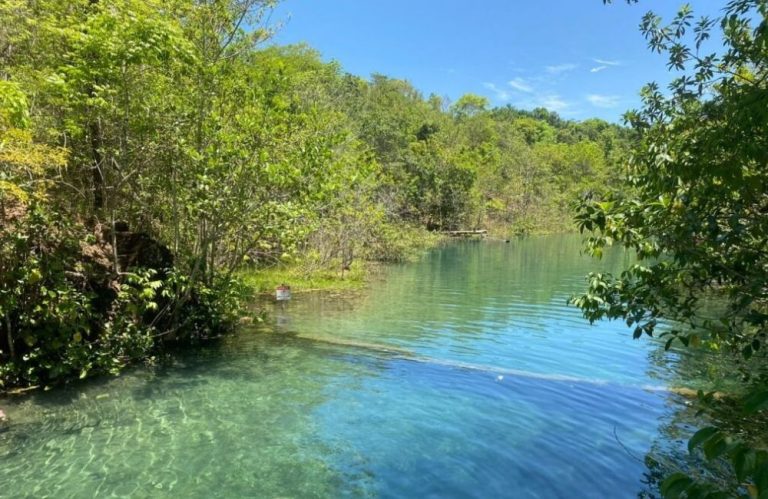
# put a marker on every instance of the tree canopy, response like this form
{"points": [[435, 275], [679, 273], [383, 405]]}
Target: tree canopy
{"points": [[153, 150]]}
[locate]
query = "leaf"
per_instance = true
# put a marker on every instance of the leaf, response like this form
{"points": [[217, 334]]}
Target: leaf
{"points": [[675, 484], [743, 463], [712, 495], [755, 402], [746, 352], [700, 437], [760, 476], [715, 446]]}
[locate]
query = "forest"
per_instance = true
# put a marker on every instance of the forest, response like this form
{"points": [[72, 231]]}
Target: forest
{"points": [[154, 154], [153, 151]]}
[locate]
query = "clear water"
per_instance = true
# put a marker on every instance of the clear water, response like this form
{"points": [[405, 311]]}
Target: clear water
{"points": [[462, 375]]}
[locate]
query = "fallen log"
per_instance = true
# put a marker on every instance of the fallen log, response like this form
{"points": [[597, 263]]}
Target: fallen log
{"points": [[465, 233]]}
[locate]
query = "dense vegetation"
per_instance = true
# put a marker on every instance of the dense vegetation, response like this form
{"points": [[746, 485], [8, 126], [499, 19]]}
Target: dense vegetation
{"points": [[695, 210], [152, 150]]}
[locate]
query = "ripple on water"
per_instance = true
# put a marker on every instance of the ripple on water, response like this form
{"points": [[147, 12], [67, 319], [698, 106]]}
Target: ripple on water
{"points": [[464, 375]]}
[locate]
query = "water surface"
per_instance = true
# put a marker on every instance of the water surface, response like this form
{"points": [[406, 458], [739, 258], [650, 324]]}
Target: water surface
{"points": [[462, 375]]}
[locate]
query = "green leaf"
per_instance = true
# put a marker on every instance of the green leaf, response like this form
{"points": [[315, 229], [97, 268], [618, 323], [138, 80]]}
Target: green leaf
{"points": [[701, 436], [675, 484], [746, 352], [755, 402], [717, 495], [715, 446], [743, 463], [761, 480]]}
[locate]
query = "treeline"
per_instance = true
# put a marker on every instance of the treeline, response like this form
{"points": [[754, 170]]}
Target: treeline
{"points": [[444, 165], [150, 149]]}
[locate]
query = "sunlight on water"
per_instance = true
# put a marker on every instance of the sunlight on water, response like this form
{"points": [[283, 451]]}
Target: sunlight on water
{"points": [[462, 375]]}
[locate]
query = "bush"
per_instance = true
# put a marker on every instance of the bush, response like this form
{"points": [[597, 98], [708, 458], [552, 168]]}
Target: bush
{"points": [[66, 314]]}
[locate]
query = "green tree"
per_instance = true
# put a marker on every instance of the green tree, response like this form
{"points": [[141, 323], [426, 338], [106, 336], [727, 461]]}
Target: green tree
{"points": [[696, 213]]}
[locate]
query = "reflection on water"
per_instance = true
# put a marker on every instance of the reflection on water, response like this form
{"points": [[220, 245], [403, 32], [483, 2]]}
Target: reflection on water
{"points": [[463, 375]]}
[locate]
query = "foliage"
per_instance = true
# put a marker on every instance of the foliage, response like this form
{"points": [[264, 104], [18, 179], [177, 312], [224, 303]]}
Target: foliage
{"points": [[306, 274], [695, 214], [167, 122]]}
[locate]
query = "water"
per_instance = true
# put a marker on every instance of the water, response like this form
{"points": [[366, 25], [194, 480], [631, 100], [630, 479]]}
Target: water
{"points": [[462, 375]]}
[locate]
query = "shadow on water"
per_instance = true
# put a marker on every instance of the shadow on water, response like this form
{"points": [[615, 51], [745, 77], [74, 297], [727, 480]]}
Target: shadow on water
{"points": [[706, 371]]}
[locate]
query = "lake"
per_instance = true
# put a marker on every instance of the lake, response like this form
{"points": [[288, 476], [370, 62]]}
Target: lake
{"points": [[465, 374]]}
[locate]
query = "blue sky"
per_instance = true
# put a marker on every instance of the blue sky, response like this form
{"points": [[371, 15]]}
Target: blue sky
{"points": [[577, 57]]}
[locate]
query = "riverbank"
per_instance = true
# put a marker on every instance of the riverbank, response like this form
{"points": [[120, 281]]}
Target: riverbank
{"points": [[308, 272], [304, 278], [342, 394], [208, 311]]}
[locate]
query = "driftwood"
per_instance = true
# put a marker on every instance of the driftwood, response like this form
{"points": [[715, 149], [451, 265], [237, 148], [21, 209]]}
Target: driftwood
{"points": [[465, 233]]}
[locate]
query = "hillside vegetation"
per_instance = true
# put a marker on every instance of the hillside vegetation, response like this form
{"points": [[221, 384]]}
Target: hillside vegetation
{"points": [[152, 151]]}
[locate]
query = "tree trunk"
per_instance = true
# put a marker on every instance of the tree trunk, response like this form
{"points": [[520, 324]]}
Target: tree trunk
{"points": [[98, 177], [9, 335], [94, 129]]}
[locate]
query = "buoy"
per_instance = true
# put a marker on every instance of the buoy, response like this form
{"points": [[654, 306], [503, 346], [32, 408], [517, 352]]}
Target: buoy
{"points": [[283, 292], [499, 378]]}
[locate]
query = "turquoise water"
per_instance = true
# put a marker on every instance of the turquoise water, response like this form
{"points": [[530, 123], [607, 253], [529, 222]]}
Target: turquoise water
{"points": [[462, 375]]}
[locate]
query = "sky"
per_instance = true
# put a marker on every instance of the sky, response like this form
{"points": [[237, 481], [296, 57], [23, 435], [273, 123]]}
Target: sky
{"points": [[579, 58]]}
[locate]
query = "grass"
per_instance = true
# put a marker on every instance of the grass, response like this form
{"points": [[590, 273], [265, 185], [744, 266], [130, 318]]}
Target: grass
{"points": [[306, 273], [303, 278]]}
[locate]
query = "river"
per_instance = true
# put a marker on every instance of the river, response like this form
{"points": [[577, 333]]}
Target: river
{"points": [[465, 374]]}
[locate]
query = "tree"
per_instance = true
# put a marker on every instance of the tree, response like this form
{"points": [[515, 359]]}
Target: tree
{"points": [[160, 128], [695, 210], [165, 120], [469, 105]]}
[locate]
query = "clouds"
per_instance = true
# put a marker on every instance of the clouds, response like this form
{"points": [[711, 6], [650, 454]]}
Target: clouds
{"points": [[526, 94], [553, 102], [549, 101], [561, 68], [517, 86], [561, 88], [499, 93], [521, 85], [533, 91], [603, 65], [606, 62], [604, 101]]}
